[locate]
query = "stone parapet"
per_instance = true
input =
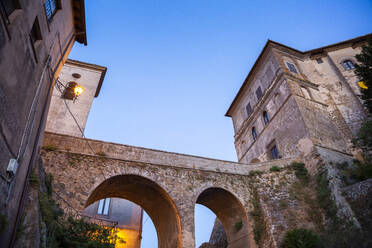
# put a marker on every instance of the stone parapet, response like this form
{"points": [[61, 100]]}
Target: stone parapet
{"points": [[156, 157]]}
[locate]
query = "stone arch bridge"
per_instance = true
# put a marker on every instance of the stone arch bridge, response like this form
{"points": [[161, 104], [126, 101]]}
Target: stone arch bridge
{"points": [[166, 185]]}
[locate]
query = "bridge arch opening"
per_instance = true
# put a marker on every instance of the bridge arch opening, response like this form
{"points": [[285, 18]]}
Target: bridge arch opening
{"points": [[230, 212], [151, 197]]}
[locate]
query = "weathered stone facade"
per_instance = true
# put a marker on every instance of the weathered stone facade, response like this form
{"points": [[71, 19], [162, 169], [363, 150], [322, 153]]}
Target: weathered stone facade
{"points": [[166, 185], [310, 98], [33, 49]]}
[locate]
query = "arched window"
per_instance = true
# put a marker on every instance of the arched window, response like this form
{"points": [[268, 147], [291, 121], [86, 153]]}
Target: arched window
{"points": [[265, 117], [348, 65], [254, 133]]}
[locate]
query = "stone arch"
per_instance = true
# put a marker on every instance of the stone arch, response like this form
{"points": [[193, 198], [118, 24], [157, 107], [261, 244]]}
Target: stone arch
{"points": [[231, 214], [151, 197]]}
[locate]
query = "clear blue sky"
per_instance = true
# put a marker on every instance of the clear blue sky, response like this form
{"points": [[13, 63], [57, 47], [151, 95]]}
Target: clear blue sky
{"points": [[174, 67]]}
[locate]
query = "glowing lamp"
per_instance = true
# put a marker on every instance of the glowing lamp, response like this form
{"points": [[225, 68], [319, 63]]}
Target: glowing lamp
{"points": [[78, 90]]}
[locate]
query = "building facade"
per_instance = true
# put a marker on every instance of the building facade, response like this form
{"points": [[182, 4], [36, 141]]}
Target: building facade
{"points": [[35, 40], [68, 115], [292, 100]]}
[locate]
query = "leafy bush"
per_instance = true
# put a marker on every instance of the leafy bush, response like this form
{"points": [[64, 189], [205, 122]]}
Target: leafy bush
{"points": [[275, 168], [238, 226], [79, 233], [254, 173], [300, 171], [301, 238]]}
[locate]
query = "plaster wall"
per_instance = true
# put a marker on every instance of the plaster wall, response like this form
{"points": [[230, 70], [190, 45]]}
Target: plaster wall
{"points": [[21, 76], [59, 119]]}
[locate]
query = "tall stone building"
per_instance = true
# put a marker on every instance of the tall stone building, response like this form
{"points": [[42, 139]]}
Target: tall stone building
{"points": [[68, 116], [35, 40], [292, 101]]}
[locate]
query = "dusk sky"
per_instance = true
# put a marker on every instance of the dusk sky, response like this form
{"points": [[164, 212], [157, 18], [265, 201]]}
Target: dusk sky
{"points": [[174, 67]]}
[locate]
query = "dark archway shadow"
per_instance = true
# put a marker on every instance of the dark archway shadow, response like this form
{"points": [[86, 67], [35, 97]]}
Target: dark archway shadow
{"points": [[230, 212], [151, 197]]}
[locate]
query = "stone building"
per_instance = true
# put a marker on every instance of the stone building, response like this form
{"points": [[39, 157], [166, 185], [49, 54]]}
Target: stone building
{"points": [[68, 115], [292, 100], [295, 111], [35, 40]]}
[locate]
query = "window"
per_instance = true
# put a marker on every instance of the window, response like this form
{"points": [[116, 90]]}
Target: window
{"points": [[291, 67], [103, 206], [249, 109], [259, 93], [274, 152], [319, 60], [8, 6], [35, 33], [51, 7], [266, 117], [348, 65], [305, 92], [254, 133]]}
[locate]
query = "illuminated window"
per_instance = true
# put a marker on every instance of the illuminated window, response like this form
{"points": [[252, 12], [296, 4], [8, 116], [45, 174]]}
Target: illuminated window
{"points": [[254, 133], [291, 67], [265, 117], [103, 206], [348, 65]]}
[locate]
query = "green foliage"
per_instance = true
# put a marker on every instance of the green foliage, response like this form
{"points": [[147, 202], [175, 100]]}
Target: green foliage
{"points": [[364, 71], [48, 184], [300, 171], [324, 196], [255, 172], [301, 238], [21, 228], [361, 171], [275, 168], [364, 135], [33, 179], [51, 148], [79, 233], [69, 232], [257, 216], [3, 222], [238, 226]]}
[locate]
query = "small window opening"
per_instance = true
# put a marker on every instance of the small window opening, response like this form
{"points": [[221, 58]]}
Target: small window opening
{"points": [[266, 117], [76, 75], [249, 109], [8, 6], [274, 152], [259, 93], [319, 60], [103, 206], [35, 33], [348, 65], [254, 133], [51, 7], [291, 67]]}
